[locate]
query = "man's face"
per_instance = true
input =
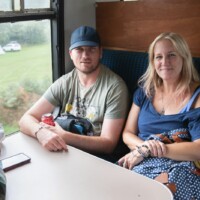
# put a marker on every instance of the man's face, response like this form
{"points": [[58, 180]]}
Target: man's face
{"points": [[86, 58]]}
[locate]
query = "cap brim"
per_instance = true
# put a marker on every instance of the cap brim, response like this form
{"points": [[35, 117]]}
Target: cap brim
{"points": [[83, 43]]}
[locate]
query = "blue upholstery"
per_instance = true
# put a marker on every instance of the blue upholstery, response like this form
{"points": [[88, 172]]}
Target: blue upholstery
{"points": [[196, 62], [130, 65]]}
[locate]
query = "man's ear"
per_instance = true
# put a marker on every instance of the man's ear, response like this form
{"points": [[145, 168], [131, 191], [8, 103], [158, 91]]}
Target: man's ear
{"points": [[70, 54]]}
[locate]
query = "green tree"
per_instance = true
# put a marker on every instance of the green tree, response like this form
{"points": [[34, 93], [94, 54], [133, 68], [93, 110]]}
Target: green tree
{"points": [[25, 32], [4, 33]]}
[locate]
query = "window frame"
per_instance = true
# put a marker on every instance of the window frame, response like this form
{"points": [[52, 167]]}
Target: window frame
{"points": [[56, 16]]}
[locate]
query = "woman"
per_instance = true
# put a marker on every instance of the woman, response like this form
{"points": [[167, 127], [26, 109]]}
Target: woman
{"points": [[163, 127]]}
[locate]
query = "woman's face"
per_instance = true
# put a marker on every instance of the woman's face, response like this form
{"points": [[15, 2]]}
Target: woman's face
{"points": [[167, 62]]}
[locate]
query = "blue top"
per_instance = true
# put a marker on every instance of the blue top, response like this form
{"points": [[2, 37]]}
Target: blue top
{"points": [[152, 122]]}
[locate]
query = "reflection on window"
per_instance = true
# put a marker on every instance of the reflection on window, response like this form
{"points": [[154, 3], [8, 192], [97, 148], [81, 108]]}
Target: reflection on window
{"points": [[15, 5], [37, 4], [5, 5], [25, 68]]}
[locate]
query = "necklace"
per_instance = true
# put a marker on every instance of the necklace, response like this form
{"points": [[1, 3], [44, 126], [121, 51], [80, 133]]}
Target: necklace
{"points": [[176, 102], [164, 107], [162, 112]]}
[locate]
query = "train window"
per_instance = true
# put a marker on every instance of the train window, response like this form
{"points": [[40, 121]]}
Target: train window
{"points": [[25, 68], [14, 5], [29, 58], [30, 4]]}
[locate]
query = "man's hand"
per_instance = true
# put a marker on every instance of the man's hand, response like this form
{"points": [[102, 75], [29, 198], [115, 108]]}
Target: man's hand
{"points": [[50, 140]]}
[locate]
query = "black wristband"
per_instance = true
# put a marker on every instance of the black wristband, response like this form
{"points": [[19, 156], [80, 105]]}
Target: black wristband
{"points": [[36, 132]]}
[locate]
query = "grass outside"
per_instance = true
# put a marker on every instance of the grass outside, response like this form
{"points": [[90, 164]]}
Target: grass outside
{"points": [[30, 65]]}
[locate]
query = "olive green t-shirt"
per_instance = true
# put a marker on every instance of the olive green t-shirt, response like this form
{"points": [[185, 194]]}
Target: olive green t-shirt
{"points": [[106, 98]]}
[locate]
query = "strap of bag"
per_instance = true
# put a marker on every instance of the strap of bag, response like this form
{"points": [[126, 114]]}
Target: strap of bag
{"points": [[56, 112], [65, 124], [191, 101]]}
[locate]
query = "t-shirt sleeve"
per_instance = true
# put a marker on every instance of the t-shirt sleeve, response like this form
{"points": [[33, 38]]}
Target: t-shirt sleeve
{"points": [[117, 104], [51, 93], [138, 97], [56, 93], [194, 127]]}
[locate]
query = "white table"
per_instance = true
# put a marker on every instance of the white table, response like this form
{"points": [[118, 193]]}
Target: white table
{"points": [[73, 175]]}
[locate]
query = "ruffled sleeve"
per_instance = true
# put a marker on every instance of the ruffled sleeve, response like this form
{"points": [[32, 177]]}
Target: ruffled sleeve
{"points": [[139, 97], [194, 124]]}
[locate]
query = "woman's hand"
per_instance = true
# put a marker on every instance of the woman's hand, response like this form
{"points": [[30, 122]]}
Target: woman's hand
{"points": [[130, 160], [157, 148]]}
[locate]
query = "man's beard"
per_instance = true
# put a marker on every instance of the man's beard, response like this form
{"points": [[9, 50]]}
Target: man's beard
{"points": [[89, 71]]}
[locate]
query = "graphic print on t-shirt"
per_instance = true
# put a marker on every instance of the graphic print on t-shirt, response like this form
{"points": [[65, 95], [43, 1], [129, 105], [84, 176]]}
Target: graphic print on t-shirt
{"points": [[81, 108]]}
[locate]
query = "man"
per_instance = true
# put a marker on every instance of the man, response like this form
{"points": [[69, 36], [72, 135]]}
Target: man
{"points": [[91, 91]]}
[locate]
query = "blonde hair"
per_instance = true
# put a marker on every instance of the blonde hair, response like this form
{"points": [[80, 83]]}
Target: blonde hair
{"points": [[150, 81]]}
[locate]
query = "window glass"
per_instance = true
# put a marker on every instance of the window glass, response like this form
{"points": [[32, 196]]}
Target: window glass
{"points": [[5, 5], [17, 5], [36, 4], [25, 68]]}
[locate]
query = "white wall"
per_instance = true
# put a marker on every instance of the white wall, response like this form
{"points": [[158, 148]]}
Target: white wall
{"points": [[77, 13]]}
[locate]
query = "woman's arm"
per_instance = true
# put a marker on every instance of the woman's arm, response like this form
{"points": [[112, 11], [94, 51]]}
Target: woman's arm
{"points": [[130, 132], [156, 148], [184, 151]]}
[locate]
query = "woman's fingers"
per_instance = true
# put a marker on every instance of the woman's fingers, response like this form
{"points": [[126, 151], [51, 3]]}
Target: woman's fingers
{"points": [[130, 160], [157, 148]]}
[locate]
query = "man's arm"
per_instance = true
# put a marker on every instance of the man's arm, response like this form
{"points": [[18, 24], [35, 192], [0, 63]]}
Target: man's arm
{"points": [[29, 122], [105, 143], [54, 138], [30, 125]]}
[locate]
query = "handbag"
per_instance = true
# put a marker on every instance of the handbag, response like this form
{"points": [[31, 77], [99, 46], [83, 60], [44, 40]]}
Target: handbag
{"points": [[75, 124]]}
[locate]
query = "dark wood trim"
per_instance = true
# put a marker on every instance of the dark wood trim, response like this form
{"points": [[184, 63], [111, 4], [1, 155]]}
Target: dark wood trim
{"points": [[133, 25], [19, 16]]}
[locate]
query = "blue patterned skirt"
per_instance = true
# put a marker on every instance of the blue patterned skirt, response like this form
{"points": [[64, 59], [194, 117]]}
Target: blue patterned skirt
{"points": [[183, 174]]}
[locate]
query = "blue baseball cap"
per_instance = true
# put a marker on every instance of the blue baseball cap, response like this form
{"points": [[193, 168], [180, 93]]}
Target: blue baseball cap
{"points": [[84, 36]]}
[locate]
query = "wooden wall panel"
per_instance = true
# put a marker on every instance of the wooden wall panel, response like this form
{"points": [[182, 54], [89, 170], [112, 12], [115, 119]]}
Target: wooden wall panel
{"points": [[134, 25]]}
